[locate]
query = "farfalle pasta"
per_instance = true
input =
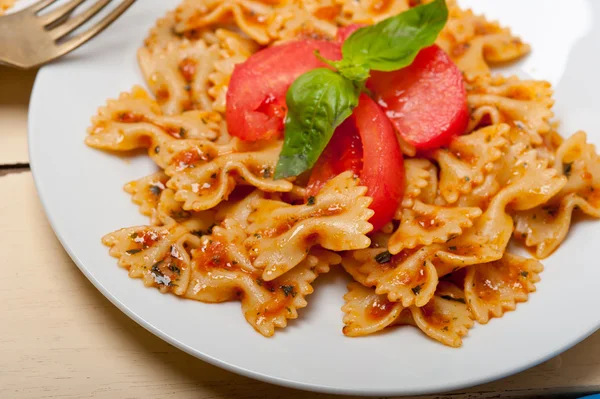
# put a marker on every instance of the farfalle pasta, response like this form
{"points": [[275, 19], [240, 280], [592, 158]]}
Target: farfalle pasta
{"points": [[547, 225], [496, 287], [224, 225], [282, 234], [445, 318]]}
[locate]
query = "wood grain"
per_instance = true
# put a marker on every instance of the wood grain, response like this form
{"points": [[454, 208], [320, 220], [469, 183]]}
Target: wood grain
{"points": [[60, 338]]}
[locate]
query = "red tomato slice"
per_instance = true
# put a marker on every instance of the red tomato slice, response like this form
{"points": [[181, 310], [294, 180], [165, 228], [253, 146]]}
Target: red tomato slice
{"points": [[256, 94], [381, 168], [343, 152], [426, 101]]}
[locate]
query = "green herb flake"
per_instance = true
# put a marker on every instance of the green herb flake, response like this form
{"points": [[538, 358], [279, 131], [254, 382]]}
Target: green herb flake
{"points": [[157, 149], [182, 133], [384, 257], [200, 233], [133, 251], [417, 289], [155, 190], [524, 273], [266, 172], [174, 269], [310, 200], [452, 248], [288, 290], [155, 269]]}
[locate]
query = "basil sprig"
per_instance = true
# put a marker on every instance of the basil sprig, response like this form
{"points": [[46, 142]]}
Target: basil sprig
{"points": [[321, 99]]}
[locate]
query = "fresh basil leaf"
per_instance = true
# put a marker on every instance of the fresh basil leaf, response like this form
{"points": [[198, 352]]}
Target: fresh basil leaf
{"points": [[318, 102], [395, 42]]}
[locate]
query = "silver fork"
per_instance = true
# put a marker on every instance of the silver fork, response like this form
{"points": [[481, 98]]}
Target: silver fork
{"points": [[29, 39]]}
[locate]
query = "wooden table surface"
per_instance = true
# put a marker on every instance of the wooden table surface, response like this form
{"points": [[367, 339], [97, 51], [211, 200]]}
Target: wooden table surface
{"points": [[60, 338]]}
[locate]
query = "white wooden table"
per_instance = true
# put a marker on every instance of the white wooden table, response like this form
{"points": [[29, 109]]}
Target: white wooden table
{"points": [[60, 338]]}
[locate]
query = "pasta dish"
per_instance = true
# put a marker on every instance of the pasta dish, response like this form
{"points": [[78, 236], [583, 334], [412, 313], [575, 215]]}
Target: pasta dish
{"points": [[292, 136]]}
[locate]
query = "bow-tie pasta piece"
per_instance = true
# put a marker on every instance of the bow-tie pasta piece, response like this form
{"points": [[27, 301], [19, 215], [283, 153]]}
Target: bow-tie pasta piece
{"points": [[269, 22], [234, 49], [251, 17], [366, 313], [525, 104], [446, 317], [222, 272], [496, 287], [469, 159], [282, 234], [279, 299], [421, 183], [135, 121], [578, 161], [163, 34], [372, 11], [178, 74], [204, 175], [301, 22], [475, 43], [428, 224], [515, 157], [409, 277], [532, 183], [546, 226], [157, 255], [221, 267], [146, 193]]}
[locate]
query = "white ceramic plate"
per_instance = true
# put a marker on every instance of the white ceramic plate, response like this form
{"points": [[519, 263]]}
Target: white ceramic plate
{"points": [[81, 190]]}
